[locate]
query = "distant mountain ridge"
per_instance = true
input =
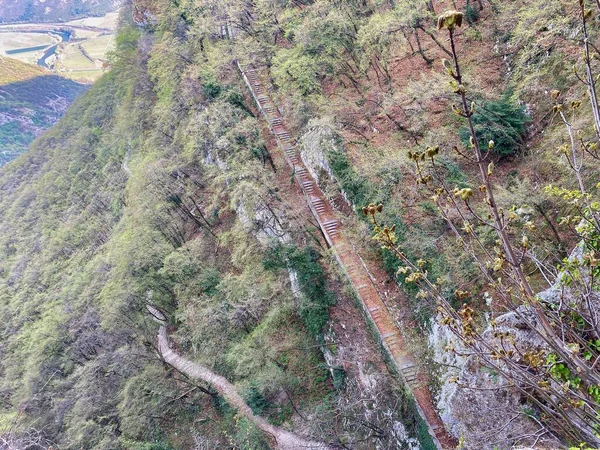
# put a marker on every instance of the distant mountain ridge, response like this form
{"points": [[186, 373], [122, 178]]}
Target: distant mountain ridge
{"points": [[31, 100], [12, 11]]}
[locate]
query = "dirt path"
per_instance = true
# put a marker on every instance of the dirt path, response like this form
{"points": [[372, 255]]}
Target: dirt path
{"points": [[284, 440], [358, 275]]}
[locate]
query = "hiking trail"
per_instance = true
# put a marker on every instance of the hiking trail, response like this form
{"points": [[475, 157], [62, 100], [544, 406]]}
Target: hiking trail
{"points": [[351, 263]]}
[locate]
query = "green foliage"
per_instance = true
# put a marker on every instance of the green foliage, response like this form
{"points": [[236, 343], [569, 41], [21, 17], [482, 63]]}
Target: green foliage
{"points": [[133, 445], [212, 89], [317, 298], [356, 187], [247, 436], [339, 377], [471, 13], [113, 207], [256, 400], [502, 121], [296, 70]]}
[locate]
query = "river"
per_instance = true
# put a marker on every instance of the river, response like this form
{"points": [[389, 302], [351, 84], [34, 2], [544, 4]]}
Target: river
{"points": [[64, 36]]}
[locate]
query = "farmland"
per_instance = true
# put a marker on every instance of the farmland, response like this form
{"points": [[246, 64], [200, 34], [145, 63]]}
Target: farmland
{"points": [[25, 46], [75, 49]]}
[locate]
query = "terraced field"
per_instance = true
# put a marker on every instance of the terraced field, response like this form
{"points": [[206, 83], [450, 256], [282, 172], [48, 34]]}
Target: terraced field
{"points": [[75, 49], [98, 47]]}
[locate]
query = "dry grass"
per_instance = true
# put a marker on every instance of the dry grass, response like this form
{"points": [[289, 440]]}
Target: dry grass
{"points": [[12, 71], [99, 46]]}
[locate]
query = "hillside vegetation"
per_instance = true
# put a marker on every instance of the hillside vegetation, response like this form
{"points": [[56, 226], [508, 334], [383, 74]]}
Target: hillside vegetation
{"points": [[31, 100], [460, 148], [150, 191]]}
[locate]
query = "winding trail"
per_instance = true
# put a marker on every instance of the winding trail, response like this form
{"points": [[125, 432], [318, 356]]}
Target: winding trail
{"points": [[284, 440], [352, 264]]}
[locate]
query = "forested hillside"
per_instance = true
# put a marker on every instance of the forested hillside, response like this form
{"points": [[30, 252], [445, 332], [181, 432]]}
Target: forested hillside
{"points": [[168, 280]]}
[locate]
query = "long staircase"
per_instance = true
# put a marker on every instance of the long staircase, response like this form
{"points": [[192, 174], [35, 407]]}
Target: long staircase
{"points": [[354, 267]]}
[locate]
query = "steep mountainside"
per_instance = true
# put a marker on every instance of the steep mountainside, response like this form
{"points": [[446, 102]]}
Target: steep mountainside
{"points": [[12, 11], [31, 101], [156, 190], [315, 224]]}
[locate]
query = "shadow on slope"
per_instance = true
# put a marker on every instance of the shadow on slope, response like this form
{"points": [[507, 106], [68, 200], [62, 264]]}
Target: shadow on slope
{"points": [[29, 107]]}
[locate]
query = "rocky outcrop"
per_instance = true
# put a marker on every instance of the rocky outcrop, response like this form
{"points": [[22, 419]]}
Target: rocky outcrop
{"points": [[486, 413], [482, 408], [261, 220], [318, 139]]}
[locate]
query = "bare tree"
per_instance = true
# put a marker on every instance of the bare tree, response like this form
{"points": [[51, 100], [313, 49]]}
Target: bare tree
{"points": [[557, 369]]}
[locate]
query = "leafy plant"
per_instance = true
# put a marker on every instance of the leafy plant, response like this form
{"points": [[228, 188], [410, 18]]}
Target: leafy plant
{"points": [[317, 298], [501, 121], [557, 376]]}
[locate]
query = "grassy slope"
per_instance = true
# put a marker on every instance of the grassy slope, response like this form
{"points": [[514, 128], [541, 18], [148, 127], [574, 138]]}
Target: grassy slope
{"points": [[14, 71]]}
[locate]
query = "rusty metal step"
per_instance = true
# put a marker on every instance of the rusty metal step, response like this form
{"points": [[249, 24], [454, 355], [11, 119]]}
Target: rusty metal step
{"points": [[308, 186], [358, 274]]}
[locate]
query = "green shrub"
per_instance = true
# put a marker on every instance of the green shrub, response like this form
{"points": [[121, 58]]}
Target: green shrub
{"points": [[235, 98], [339, 377], [256, 400], [211, 89], [501, 121], [357, 188], [316, 299], [471, 14]]}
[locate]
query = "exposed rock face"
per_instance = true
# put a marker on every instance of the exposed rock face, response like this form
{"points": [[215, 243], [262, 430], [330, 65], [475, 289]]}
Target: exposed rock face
{"points": [[439, 338], [479, 410], [318, 139], [482, 411], [263, 222]]}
